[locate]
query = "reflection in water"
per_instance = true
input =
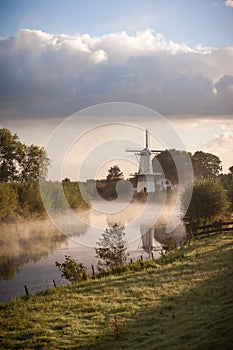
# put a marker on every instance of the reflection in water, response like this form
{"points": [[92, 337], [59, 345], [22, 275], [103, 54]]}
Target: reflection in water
{"points": [[72, 224], [26, 242], [149, 242]]}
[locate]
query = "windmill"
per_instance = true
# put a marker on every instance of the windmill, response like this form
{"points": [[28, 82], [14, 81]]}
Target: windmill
{"points": [[145, 175]]}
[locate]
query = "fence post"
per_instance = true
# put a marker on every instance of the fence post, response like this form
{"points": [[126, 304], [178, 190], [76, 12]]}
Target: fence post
{"points": [[26, 291], [93, 271], [54, 284]]}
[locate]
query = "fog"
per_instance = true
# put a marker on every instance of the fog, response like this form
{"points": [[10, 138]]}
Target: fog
{"points": [[25, 242], [86, 227], [29, 249], [28, 241]]}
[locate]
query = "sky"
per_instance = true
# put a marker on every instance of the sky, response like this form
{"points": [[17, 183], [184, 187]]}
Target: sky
{"points": [[176, 57]]}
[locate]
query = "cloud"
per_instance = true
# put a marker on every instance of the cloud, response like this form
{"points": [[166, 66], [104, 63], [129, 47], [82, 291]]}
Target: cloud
{"points": [[45, 75], [99, 56], [229, 3], [223, 141], [221, 144]]}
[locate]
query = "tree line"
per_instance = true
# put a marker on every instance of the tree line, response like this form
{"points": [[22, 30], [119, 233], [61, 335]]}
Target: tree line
{"points": [[21, 167], [205, 165]]}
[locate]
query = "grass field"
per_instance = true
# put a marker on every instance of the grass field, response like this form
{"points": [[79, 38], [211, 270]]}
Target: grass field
{"points": [[183, 301]]}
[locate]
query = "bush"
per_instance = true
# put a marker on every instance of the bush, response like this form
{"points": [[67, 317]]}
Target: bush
{"points": [[168, 245], [72, 269]]}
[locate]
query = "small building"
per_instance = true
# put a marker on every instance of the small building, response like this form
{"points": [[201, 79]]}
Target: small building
{"points": [[164, 184]]}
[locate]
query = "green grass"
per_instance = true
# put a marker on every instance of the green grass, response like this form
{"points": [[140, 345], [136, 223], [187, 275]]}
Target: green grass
{"points": [[184, 301]]}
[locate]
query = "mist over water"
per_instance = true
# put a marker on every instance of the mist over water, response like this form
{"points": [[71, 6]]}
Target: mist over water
{"points": [[26, 242], [29, 249]]}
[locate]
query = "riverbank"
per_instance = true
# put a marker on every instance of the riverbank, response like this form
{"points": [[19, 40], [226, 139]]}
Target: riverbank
{"points": [[182, 301]]}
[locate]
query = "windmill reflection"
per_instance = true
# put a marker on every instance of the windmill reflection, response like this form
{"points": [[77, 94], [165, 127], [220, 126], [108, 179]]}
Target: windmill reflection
{"points": [[149, 242]]}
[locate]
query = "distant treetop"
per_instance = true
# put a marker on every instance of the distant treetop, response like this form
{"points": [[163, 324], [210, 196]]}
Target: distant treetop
{"points": [[115, 174]]}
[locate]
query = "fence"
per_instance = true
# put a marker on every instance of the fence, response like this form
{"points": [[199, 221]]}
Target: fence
{"points": [[217, 227]]}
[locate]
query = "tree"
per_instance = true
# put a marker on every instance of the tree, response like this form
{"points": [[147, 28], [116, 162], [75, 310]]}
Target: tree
{"points": [[73, 195], [114, 174], [112, 249], [34, 164], [208, 203], [230, 187], [8, 202], [226, 180], [19, 162], [72, 269], [29, 198], [169, 161], [205, 165], [11, 154], [230, 198], [107, 188], [166, 162]]}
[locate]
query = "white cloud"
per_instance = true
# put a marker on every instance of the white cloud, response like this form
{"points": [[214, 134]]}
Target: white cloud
{"points": [[99, 56], [204, 49], [46, 74], [229, 3], [223, 141]]}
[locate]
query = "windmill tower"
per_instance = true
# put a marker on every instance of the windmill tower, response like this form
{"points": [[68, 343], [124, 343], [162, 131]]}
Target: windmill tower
{"points": [[145, 174]]}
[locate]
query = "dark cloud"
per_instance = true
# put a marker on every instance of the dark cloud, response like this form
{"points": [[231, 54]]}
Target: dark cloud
{"points": [[45, 75]]}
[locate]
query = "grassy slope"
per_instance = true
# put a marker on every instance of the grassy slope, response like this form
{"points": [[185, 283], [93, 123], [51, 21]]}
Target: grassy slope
{"points": [[185, 302]]}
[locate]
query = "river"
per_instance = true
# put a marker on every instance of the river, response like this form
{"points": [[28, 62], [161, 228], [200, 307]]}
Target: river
{"points": [[30, 249]]}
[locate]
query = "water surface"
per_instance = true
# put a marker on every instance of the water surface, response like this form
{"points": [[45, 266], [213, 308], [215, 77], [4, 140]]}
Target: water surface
{"points": [[30, 249]]}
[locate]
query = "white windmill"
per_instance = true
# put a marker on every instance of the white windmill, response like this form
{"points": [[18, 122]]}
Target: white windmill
{"points": [[145, 175]]}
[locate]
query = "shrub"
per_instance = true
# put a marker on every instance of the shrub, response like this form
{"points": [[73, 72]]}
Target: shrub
{"points": [[72, 269]]}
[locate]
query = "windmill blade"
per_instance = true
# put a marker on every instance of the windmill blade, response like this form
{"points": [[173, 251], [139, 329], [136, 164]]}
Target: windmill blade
{"points": [[147, 139], [156, 150], [133, 150]]}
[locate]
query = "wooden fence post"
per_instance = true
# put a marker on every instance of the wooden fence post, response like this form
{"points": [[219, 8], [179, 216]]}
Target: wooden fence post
{"points": [[26, 290], [93, 270], [54, 284]]}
